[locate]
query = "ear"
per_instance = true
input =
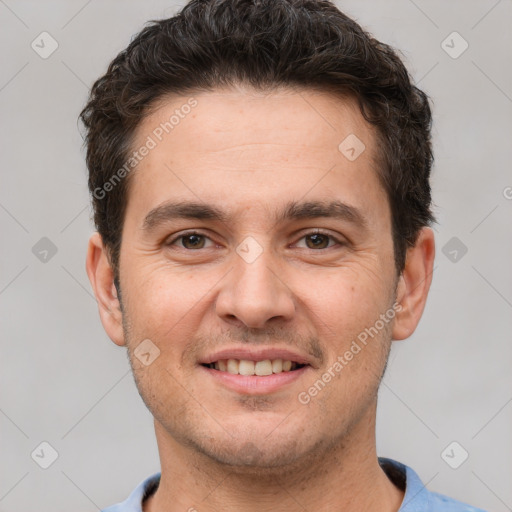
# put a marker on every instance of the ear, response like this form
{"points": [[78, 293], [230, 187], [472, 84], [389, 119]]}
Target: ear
{"points": [[414, 284], [101, 276]]}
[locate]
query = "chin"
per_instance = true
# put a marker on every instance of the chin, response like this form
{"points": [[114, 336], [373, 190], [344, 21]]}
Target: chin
{"points": [[258, 452], [248, 457]]}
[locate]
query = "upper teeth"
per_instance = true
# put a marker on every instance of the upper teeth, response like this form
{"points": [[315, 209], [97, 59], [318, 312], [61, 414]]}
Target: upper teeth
{"points": [[246, 367]]}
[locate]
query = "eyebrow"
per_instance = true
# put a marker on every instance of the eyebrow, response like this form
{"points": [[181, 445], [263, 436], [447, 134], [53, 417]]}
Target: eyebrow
{"points": [[293, 210], [333, 209]]}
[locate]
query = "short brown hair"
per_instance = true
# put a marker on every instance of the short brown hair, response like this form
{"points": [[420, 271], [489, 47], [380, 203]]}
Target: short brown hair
{"points": [[265, 44]]}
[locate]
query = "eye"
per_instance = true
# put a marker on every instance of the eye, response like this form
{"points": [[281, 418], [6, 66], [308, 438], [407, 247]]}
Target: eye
{"points": [[319, 240], [190, 241]]}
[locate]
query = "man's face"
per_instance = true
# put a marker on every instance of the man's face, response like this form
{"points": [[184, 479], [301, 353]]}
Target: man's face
{"points": [[275, 278]]}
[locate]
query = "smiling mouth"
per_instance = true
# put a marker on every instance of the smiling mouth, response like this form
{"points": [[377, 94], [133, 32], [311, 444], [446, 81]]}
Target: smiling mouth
{"points": [[257, 368]]}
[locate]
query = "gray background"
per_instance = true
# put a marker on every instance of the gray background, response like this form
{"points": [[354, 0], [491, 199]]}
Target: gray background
{"points": [[64, 382]]}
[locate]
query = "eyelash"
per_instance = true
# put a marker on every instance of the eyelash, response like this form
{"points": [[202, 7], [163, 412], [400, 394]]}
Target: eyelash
{"points": [[315, 232]]}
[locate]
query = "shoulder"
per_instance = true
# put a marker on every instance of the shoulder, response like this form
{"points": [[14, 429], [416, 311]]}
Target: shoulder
{"points": [[135, 500], [417, 498], [446, 504]]}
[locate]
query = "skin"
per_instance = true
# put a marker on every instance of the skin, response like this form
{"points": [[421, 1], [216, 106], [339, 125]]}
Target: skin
{"points": [[250, 153]]}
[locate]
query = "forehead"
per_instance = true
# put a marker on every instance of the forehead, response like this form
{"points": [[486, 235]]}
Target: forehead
{"points": [[311, 118], [241, 144]]}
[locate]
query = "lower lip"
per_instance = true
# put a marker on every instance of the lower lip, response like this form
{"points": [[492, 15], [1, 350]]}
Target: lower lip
{"points": [[253, 384]]}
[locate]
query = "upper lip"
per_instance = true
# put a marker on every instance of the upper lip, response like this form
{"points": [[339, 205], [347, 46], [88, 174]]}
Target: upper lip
{"points": [[256, 354]]}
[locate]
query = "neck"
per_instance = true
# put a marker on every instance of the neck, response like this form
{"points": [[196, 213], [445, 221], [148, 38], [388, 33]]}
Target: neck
{"points": [[346, 477]]}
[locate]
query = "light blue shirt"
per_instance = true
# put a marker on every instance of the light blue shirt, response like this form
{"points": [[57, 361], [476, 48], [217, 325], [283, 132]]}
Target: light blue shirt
{"points": [[417, 497]]}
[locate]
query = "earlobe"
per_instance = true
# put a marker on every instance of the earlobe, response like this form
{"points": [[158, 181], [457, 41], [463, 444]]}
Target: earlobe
{"points": [[414, 284], [101, 276]]}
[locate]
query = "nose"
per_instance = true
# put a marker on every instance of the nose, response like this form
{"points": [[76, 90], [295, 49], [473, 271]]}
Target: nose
{"points": [[254, 295]]}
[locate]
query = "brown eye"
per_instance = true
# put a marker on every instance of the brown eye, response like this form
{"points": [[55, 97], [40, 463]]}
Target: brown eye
{"points": [[317, 241], [193, 241]]}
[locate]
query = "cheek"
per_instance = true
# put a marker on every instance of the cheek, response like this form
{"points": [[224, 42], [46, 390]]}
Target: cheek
{"points": [[162, 307], [163, 297], [346, 300]]}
